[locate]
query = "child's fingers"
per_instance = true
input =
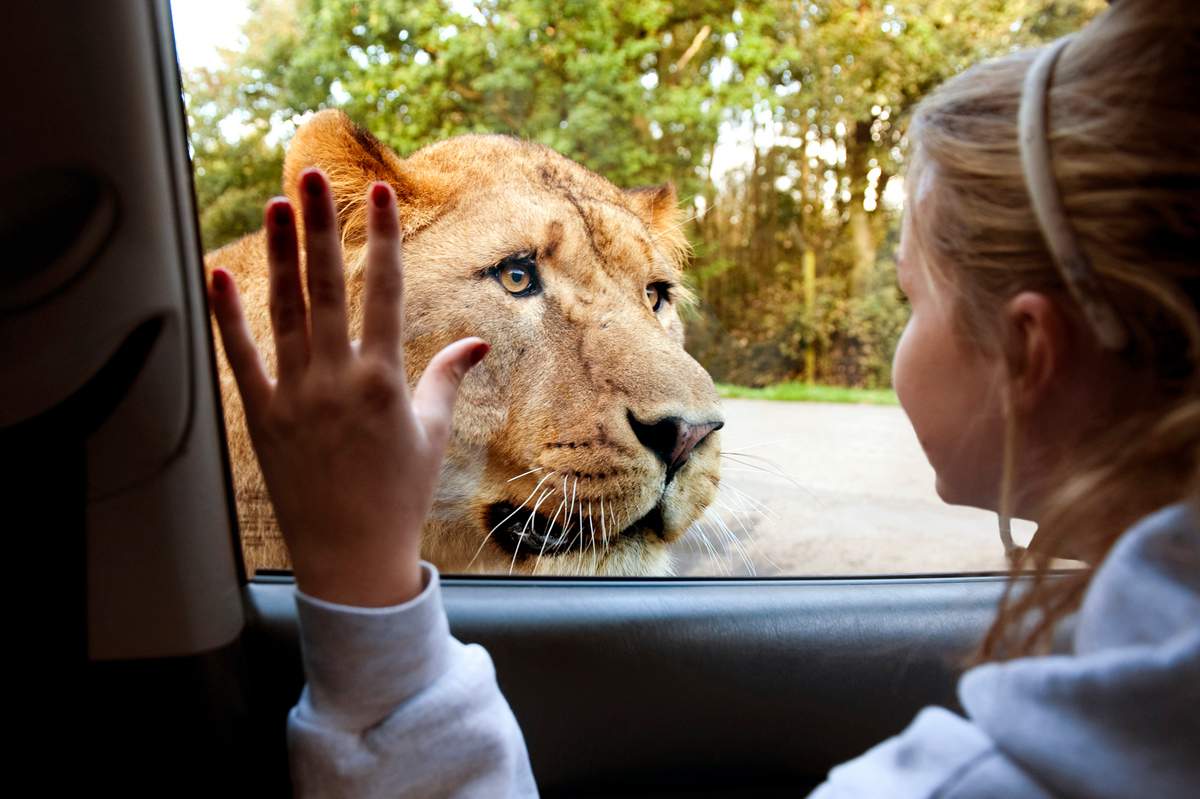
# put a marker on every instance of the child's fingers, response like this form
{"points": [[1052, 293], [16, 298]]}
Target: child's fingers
{"points": [[326, 283], [433, 400], [252, 381], [286, 298], [384, 307]]}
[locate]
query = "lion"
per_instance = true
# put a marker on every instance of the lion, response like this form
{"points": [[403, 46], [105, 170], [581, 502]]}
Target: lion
{"points": [[586, 442]]}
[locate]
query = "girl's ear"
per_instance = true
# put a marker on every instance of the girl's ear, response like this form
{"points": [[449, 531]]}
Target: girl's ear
{"points": [[352, 159], [1038, 351]]}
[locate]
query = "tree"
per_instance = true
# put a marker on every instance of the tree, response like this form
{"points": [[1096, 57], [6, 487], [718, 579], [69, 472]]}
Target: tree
{"points": [[644, 91]]}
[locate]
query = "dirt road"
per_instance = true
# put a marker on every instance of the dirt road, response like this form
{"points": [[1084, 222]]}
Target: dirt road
{"points": [[834, 490]]}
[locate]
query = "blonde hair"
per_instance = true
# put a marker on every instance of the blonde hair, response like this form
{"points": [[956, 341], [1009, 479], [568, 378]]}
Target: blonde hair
{"points": [[1124, 136]]}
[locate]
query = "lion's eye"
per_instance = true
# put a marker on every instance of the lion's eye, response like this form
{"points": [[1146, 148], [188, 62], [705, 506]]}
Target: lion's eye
{"points": [[516, 279], [518, 275], [657, 295]]}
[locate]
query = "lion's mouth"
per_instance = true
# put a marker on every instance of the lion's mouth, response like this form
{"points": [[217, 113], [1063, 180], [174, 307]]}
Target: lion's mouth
{"points": [[523, 533]]}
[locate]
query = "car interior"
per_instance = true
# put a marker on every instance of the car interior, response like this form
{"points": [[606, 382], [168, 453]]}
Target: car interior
{"points": [[149, 658]]}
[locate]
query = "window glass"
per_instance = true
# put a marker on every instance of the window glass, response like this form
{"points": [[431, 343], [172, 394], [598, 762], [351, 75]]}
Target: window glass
{"points": [[781, 126]]}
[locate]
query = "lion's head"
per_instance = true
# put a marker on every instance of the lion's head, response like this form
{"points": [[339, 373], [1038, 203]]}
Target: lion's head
{"points": [[586, 442]]}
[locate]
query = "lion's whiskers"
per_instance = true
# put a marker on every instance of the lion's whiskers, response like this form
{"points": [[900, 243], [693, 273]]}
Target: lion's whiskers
{"points": [[604, 534], [702, 535], [516, 510], [752, 539], [756, 504], [571, 507], [764, 443], [550, 529], [730, 536], [736, 503], [529, 523], [723, 540], [603, 530], [742, 459], [522, 474], [698, 527]]}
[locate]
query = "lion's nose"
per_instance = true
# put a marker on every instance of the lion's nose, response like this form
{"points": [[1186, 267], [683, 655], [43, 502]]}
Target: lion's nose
{"points": [[672, 439]]}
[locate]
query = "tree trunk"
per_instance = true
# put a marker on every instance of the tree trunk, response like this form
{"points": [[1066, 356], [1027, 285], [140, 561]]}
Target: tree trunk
{"points": [[861, 235]]}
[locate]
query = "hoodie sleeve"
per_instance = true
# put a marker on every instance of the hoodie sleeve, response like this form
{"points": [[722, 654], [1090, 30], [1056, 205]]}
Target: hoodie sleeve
{"points": [[1118, 718], [1121, 717], [939, 755], [394, 706]]}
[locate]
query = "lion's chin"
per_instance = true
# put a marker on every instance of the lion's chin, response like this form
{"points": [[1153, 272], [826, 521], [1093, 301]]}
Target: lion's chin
{"points": [[629, 558], [543, 548], [533, 535]]}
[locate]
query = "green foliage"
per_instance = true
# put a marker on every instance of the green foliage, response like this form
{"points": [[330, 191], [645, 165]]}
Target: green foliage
{"points": [[856, 335], [644, 91], [605, 82], [811, 392]]}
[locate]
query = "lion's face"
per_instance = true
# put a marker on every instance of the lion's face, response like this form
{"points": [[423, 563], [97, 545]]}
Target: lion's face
{"points": [[586, 441]]}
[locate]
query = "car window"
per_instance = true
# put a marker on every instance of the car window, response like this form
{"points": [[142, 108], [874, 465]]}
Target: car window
{"points": [[781, 126]]}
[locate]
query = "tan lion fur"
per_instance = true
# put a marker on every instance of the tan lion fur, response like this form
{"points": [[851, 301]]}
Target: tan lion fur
{"points": [[566, 366]]}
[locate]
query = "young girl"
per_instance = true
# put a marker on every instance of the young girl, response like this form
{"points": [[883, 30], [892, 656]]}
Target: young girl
{"points": [[1051, 255]]}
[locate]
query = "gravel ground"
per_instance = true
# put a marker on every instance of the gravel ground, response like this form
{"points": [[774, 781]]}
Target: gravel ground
{"points": [[816, 489]]}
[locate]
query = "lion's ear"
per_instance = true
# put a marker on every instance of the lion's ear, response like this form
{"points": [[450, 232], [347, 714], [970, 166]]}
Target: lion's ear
{"points": [[353, 159], [659, 209], [654, 204]]}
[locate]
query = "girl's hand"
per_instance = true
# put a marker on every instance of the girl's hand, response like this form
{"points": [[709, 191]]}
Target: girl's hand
{"points": [[350, 461]]}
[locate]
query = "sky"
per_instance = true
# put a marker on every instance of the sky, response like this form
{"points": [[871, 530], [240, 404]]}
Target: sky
{"points": [[204, 26]]}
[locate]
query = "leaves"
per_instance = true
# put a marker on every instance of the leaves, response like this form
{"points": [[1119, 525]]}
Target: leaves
{"points": [[642, 91]]}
